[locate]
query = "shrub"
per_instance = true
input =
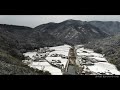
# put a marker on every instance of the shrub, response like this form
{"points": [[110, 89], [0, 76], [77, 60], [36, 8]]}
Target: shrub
{"points": [[98, 50]]}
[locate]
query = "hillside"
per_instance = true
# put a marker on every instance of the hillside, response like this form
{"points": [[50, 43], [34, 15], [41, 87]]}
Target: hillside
{"points": [[110, 47], [15, 40], [71, 31], [110, 27], [11, 50]]}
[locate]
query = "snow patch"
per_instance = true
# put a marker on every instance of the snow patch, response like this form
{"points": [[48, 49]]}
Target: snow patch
{"points": [[100, 65], [104, 67], [45, 64], [46, 67], [30, 54]]}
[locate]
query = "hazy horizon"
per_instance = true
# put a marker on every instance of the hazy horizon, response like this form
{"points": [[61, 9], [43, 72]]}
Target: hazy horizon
{"points": [[35, 20]]}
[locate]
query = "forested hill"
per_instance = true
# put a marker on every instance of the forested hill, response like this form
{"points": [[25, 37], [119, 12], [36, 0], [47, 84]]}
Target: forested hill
{"points": [[15, 40]]}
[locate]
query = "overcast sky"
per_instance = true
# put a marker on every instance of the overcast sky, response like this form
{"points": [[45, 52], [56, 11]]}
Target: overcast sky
{"points": [[34, 20]]}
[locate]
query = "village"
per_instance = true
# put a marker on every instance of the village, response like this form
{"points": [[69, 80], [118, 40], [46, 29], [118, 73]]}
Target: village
{"points": [[58, 61], [94, 63], [48, 56]]}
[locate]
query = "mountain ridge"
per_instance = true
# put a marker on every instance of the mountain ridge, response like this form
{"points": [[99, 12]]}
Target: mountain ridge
{"points": [[15, 40], [76, 28]]}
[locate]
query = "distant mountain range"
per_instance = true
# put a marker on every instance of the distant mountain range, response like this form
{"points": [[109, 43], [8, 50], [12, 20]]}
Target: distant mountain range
{"points": [[69, 31], [109, 27], [77, 32], [14, 40]]}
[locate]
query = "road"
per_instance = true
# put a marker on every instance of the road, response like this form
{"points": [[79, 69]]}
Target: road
{"points": [[70, 68]]}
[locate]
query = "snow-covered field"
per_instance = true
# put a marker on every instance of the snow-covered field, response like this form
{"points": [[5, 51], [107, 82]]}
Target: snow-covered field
{"points": [[46, 67], [95, 62], [104, 67], [63, 61], [101, 65], [30, 54], [43, 65], [63, 50]]}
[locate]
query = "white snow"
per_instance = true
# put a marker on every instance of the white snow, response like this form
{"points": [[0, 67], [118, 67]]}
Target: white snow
{"points": [[96, 54], [46, 67], [63, 50], [99, 59], [104, 67], [83, 49], [101, 65], [42, 65], [84, 54], [30, 54], [94, 31], [63, 61], [91, 54]]}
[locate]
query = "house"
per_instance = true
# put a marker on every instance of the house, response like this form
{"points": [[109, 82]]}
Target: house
{"points": [[27, 58], [27, 61], [54, 55], [42, 55], [65, 57], [41, 50]]}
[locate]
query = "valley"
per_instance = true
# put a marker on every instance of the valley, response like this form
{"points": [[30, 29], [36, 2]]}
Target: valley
{"points": [[71, 47], [68, 60]]}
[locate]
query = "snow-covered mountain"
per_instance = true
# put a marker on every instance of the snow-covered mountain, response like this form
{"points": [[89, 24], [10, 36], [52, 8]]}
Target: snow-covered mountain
{"points": [[110, 27], [14, 40], [71, 31]]}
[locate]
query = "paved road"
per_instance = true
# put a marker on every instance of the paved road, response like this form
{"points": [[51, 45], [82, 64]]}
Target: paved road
{"points": [[70, 66]]}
